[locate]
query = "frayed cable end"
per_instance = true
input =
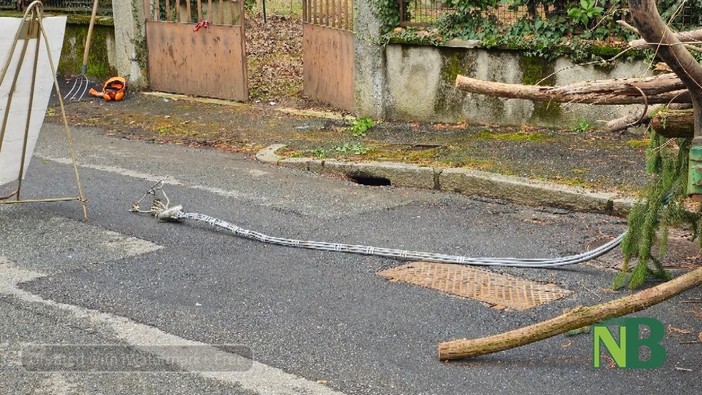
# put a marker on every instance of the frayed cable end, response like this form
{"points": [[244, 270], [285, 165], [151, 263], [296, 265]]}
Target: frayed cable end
{"points": [[170, 215]]}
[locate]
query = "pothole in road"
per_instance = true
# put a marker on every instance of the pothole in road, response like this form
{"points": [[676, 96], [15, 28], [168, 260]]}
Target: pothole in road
{"points": [[498, 290]]}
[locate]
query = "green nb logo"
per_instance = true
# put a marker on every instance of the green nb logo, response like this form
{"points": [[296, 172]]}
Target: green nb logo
{"points": [[626, 353]]}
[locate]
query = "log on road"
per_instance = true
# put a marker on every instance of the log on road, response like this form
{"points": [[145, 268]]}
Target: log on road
{"points": [[574, 319]]}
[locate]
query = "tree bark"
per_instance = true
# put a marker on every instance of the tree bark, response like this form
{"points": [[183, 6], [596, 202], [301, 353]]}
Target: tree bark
{"points": [[675, 120], [661, 89], [691, 36], [631, 120], [648, 21], [574, 319], [673, 123]]}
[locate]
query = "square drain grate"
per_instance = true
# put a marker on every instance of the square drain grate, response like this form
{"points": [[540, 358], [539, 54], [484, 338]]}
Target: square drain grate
{"points": [[498, 290]]}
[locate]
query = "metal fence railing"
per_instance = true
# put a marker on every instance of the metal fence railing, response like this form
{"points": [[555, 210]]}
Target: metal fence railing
{"points": [[688, 16], [331, 13], [428, 12], [62, 6], [203, 12], [421, 12]]}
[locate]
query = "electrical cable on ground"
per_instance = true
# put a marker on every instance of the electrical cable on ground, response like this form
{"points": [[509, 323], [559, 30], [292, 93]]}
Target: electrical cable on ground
{"points": [[163, 212]]}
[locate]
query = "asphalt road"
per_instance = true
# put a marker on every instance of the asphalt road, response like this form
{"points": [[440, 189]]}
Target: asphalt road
{"points": [[313, 322]]}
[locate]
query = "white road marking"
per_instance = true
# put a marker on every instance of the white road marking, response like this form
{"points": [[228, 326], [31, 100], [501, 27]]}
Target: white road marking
{"points": [[260, 378], [154, 178], [112, 169]]}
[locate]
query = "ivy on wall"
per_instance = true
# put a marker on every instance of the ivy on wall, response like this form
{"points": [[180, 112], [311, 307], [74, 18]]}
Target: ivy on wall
{"points": [[580, 29]]}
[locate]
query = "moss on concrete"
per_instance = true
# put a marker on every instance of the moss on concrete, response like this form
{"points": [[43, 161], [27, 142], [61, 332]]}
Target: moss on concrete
{"points": [[74, 45], [513, 136], [638, 144], [494, 105], [534, 70], [141, 53], [540, 71], [454, 62]]}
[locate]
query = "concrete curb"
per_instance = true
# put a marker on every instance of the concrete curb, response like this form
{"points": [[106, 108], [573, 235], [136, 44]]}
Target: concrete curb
{"points": [[464, 181], [267, 155]]}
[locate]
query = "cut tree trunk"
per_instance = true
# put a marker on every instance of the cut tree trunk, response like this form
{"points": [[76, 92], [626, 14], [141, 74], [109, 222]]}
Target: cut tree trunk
{"points": [[574, 319], [674, 123], [662, 89], [644, 14], [680, 116]]}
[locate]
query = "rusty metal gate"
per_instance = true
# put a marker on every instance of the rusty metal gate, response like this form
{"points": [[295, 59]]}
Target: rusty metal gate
{"points": [[197, 49], [328, 51]]}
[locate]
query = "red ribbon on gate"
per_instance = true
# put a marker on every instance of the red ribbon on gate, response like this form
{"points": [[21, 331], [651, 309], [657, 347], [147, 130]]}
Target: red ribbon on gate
{"points": [[202, 24]]}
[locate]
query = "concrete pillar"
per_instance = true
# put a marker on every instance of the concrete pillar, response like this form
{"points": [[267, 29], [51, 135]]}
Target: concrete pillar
{"points": [[130, 42], [369, 57]]}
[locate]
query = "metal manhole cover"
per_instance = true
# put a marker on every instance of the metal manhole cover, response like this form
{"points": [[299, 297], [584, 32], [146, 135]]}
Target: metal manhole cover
{"points": [[498, 290]]}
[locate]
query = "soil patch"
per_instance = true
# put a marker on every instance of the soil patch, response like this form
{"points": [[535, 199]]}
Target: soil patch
{"points": [[593, 159], [274, 56]]}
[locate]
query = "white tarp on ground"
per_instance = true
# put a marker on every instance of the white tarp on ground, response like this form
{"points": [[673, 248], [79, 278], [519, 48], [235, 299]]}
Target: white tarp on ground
{"points": [[11, 153]]}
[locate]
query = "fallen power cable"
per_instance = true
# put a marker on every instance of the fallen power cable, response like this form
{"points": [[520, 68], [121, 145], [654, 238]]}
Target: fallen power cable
{"points": [[161, 209]]}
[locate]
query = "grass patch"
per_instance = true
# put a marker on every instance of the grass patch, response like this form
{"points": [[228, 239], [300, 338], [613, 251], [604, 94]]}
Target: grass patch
{"points": [[513, 136], [638, 144], [582, 126]]}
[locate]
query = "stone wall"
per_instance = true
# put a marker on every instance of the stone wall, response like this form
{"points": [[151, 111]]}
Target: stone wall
{"points": [[421, 86]]}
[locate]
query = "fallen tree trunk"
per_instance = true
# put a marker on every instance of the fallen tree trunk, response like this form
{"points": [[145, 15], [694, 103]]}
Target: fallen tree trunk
{"points": [[692, 36], [661, 89], [574, 319], [674, 123], [631, 120], [676, 120]]}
